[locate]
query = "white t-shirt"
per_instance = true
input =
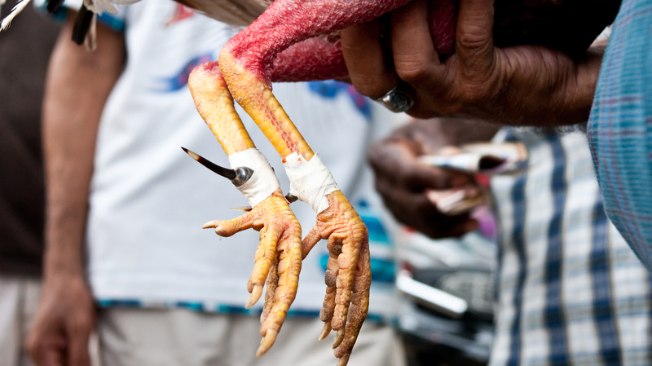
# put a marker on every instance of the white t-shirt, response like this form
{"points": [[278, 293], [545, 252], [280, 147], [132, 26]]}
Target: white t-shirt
{"points": [[149, 199]]}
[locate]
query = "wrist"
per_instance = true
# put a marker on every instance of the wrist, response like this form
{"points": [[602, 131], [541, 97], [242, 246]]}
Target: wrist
{"points": [[581, 88], [58, 264]]}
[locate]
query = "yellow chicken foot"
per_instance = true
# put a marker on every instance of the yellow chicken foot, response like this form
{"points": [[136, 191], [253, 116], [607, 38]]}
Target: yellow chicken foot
{"points": [[277, 260], [311, 182], [345, 306], [278, 256]]}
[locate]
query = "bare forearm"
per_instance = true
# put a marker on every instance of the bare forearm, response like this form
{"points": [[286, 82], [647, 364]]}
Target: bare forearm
{"points": [[570, 102], [77, 87]]}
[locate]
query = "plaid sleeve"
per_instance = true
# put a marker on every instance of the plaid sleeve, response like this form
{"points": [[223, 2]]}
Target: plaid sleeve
{"points": [[115, 22], [620, 127]]}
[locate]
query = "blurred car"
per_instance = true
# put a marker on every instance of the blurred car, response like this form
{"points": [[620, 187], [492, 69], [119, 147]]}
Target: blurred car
{"points": [[446, 313]]}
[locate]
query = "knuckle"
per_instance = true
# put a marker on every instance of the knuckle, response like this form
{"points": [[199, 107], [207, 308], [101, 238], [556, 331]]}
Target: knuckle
{"points": [[372, 87], [472, 41], [80, 325], [474, 93], [412, 71]]}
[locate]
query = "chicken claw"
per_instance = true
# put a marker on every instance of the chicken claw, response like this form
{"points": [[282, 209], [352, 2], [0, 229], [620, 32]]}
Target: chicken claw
{"points": [[277, 260], [348, 273], [214, 88]]}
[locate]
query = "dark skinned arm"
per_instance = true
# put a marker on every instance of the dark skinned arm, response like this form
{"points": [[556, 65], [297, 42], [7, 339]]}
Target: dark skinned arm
{"points": [[77, 86], [520, 85]]}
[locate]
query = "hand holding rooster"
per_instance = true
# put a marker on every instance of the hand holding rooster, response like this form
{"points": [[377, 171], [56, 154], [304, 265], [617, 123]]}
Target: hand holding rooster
{"points": [[518, 85]]}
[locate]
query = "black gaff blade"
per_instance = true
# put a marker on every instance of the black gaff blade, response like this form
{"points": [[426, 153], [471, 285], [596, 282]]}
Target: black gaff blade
{"points": [[224, 172]]}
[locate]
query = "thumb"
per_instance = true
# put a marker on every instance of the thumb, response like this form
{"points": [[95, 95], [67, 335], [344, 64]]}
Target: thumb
{"points": [[474, 40]]}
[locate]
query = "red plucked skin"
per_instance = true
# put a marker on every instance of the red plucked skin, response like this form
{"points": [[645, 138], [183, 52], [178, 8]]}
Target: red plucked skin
{"points": [[297, 40]]}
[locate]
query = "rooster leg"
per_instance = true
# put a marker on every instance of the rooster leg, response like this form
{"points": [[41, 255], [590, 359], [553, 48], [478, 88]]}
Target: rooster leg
{"points": [[278, 257], [248, 65]]}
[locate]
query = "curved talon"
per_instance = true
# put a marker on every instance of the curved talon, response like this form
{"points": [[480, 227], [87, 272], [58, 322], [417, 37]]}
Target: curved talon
{"points": [[211, 224], [359, 303], [343, 360], [348, 274], [339, 337], [325, 331], [278, 257], [255, 295], [267, 342], [339, 223], [277, 260], [226, 228]]}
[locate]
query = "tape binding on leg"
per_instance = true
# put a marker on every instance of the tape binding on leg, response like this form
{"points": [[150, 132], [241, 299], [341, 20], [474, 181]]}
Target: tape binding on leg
{"points": [[262, 183], [310, 180]]}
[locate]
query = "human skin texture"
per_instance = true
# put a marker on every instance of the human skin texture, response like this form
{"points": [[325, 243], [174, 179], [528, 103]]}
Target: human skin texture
{"points": [[538, 84], [74, 99], [297, 40], [300, 40], [461, 73], [404, 182]]}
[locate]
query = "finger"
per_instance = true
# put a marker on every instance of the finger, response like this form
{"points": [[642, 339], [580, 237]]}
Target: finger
{"points": [[463, 228], [51, 357], [46, 354], [399, 162], [474, 39], [46, 343], [413, 52], [79, 334], [227, 228], [359, 305], [399, 196], [417, 211], [387, 157], [422, 177], [365, 59]]}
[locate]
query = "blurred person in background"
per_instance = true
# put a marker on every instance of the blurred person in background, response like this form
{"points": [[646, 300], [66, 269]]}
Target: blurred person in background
{"points": [[24, 52], [126, 253], [570, 289]]}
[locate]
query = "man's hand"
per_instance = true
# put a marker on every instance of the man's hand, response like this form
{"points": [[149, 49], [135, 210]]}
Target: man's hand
{"points": [[64, 321], [408, 186], [519, 85]]}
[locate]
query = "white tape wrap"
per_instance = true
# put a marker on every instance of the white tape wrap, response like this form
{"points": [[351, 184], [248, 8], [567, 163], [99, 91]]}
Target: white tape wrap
{"points": [[262, 183], [310, 180]]}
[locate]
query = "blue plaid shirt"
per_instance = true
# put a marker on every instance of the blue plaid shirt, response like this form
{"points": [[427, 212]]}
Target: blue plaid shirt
{"points": [[620, 127], [571, 291]]}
